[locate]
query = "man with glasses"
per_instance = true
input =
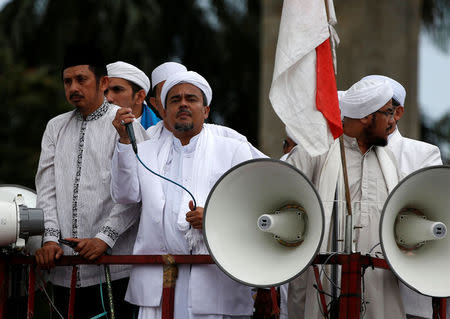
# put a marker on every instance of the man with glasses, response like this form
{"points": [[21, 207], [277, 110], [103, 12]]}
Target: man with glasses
{"points": [[411, 155], [368, 117]]}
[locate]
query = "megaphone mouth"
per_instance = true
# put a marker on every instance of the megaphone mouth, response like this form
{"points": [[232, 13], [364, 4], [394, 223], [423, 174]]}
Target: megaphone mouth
{"points": [[287, 224], [413, 229]]}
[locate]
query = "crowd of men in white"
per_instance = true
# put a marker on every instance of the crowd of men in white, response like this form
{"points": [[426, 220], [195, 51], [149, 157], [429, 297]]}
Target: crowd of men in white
{"points": [[95, 193]]}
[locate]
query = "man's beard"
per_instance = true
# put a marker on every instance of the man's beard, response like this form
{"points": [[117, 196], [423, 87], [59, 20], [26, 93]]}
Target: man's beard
{"points": [[184, 127], [374, 140]]}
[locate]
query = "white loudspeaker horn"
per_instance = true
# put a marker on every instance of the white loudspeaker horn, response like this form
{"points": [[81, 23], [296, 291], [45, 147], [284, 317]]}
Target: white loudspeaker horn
{"points": [[18, 218], [413, 231], [263, 222]]}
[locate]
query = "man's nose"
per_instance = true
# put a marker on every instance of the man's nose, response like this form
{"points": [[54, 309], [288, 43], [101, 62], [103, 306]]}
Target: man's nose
{"points": [[391, 119], [109, 97], [73, 87]]}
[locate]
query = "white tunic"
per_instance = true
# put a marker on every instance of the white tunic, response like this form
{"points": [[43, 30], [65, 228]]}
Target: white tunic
{"points": [[368, 191], [202, 289], [412, 155], [73, 189], [218, 130]]}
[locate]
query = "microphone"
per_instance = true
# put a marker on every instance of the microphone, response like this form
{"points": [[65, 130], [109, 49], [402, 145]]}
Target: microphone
{"points": [[130, 132]]}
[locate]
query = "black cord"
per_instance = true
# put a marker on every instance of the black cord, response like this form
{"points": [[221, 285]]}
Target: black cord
{"points": [[169, 180]]}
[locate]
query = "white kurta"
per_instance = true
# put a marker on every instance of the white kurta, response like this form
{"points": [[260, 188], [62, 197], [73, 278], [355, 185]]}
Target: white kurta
{"points": [[368, 191], [218, 130], [202, 289], [412, 155], [72, 184]]}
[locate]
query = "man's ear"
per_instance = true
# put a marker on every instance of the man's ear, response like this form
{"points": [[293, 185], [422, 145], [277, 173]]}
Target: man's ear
{"points": [[104, 83], [366, 120], [399, 110], [206, 111], [140, 97]]}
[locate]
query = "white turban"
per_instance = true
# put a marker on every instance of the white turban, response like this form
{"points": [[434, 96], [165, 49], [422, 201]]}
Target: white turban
{"points": [[129, 72], [190, 77], [399, 90], [163, 71], [364, 97]]}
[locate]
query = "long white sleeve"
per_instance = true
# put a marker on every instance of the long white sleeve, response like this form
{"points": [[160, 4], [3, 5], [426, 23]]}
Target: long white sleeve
{"points": [[125, 188]]}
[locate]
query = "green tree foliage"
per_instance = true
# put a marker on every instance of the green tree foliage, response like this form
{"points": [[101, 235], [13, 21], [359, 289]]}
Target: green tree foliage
{"points": [[217, 38], [436, 18], [438, 132]]}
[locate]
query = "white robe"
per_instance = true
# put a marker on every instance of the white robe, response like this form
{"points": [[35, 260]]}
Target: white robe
{"points": [[204, 289], [412, 155], [218, 130], [371, 177]]}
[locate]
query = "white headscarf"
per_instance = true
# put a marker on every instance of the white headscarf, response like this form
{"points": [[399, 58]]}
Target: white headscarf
{"points": [[128, 72], [163, 71], [399, 90], [365, 97], [190, 77]]}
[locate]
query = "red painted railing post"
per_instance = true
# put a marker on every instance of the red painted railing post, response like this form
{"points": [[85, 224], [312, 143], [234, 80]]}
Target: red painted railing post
{"points": [[350, 298], [73, 283], [3, 288], [31, 291], [170, 274]]}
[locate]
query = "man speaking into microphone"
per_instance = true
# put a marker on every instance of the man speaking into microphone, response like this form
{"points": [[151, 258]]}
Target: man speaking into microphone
{"points": [[186, 153]]}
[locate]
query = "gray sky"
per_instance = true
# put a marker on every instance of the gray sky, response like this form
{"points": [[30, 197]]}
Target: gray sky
{"points": [[434, 78]]}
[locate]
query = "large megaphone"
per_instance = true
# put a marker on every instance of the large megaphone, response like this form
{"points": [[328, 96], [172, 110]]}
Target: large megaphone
{"points": [[413, 231], [263, 222], [18, 218]]}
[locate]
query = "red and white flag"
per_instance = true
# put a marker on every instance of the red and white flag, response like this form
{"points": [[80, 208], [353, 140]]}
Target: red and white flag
{"points": [[303, 91]]}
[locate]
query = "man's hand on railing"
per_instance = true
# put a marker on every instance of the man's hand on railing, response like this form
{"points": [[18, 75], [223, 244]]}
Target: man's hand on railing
{"points": [[47, 254], [89, 248]]}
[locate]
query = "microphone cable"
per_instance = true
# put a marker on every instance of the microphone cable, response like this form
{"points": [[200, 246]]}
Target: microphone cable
{"points": [[169, 180], [131, 136]]}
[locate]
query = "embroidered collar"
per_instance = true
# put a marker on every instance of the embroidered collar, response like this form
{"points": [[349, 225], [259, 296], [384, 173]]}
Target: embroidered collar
{"points": [[98, 113]]}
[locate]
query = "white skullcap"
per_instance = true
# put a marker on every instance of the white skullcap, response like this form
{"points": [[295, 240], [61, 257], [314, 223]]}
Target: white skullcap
{"points": [[399, 90], [364, 97], [190, 77], [290, 135], [163, 71], [129, 72]]}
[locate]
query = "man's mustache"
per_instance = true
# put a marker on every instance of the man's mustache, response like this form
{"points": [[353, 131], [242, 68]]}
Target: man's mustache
{"points": [[75, 94], [184, 111]]}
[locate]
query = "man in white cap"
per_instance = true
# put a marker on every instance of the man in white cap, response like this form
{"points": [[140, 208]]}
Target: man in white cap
{"points": [[368, 116], [411, 155], [159, 76], [188, 154], [128, 87]]}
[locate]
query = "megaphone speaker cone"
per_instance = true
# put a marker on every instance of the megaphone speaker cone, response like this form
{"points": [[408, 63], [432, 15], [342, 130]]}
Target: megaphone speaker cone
{"points": [[233, 234], [413, 231]]}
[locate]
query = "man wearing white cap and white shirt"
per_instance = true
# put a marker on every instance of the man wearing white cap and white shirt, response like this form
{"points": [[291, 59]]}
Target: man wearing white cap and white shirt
{"points": [[170, 224], [411, 155], [159, 76], [367, 119], [128, 87]]}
